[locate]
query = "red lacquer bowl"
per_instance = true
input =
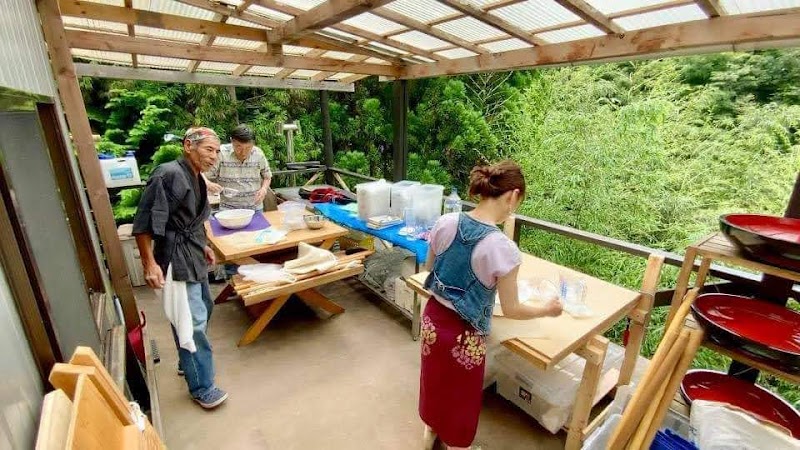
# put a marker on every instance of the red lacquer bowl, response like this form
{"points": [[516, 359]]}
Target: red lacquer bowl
{"points": [[773, 240], [768, 331], [720, 387]]}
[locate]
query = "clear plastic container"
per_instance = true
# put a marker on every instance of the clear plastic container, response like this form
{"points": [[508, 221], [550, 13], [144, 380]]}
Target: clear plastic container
{"points": [[427, 204], [452, 204], [401, 196], [373, 199], [293, 213]]}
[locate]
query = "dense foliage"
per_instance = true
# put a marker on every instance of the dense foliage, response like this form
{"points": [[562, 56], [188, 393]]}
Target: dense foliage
{"points": [[649, 152]]}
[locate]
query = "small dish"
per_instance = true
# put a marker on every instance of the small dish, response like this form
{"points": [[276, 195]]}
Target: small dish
{"points": [[314, 222]]}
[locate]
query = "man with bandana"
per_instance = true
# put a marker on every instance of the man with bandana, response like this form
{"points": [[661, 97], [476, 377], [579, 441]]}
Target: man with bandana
{"points": [[172, 242]]}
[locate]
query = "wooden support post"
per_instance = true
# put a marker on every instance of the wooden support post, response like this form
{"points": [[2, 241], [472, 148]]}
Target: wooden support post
{"points": [[400, 128], [78, 121], [681, 285], [595, 354], [327, 137]]}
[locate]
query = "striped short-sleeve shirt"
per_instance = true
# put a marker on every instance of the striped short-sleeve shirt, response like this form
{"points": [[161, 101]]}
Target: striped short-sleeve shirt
{"points": [[245, 177]]}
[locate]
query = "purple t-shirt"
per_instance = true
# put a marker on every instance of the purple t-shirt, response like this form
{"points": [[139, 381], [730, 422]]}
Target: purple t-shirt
{"points": [[493, 258]]}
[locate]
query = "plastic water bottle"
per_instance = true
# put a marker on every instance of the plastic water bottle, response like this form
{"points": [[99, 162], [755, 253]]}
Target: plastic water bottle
{"points": [[452, 204]]}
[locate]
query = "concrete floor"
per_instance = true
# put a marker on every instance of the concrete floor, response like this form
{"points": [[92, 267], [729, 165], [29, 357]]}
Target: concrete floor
{"points": [[349, 382]]}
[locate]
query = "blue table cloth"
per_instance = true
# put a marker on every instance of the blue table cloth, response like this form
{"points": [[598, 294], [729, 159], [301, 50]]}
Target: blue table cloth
{"points": [[338, 214]]}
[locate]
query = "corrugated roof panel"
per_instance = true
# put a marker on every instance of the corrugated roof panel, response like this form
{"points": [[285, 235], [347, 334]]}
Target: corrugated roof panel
{"points": [[295, 50], [505, 46], [613, 6], [480, 4], [456, 53], [372, 60], [96, 25], [470, 29], [171, 35], [423, 59], [664, 17], [263, 70], [173, 7], [371, 22], [269, 13], [388, 48], [420, 40], [237, 43], [341, 34], [571, 34], [303, 73], [337, 55], [111, 57], [244, 23], [339, 76], [303, 4], [750, 6], [109, 2], [163, 63], [535, 14], [422, 10], [211, 66]]}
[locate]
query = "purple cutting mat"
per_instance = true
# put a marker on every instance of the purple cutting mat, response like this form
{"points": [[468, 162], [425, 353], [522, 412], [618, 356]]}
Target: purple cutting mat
{"points": [[259, 222]]}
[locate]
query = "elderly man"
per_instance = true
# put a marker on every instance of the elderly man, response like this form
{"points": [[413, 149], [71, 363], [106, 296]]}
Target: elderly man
{"points": [[169, 233], [242, 174]]}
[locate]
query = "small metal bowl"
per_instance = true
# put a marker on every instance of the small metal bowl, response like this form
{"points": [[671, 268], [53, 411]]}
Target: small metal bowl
{"points": [[314, 222]]}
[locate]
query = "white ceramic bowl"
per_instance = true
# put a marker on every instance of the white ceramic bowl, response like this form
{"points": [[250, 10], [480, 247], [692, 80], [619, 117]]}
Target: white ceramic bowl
{"points": [[235, 218]]}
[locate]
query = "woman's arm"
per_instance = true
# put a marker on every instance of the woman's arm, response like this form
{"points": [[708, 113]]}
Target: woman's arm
{"points": [[513, 309], [429, 261]]}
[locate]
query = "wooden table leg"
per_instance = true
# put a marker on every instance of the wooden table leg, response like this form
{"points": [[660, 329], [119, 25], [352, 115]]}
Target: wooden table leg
{"points": [[313, 298], [639, 318], [595, 353], [327, 244], [258, 326], [225, 295]]}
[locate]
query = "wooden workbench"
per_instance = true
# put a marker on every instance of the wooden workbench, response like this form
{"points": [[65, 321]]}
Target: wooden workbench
{"points": [[241, 248], [546, 341]]}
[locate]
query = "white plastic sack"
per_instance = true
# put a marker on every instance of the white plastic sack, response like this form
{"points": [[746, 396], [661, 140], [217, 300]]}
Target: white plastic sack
{"points": [[265, 273], [176, 307], [309, 259], [719, 426]]}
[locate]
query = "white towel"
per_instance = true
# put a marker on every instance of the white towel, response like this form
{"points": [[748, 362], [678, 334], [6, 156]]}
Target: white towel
{"points": [[176, 306]]}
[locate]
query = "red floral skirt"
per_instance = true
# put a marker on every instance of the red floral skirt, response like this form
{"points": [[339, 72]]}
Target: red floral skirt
{"points": [[451, 380]]}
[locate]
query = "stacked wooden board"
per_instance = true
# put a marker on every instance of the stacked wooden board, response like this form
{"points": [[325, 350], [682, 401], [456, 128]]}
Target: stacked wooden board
{"points": [[87, 411]]}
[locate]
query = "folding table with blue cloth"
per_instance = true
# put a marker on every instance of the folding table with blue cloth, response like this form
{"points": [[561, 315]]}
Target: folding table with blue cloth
{"points": [[344, 216]]}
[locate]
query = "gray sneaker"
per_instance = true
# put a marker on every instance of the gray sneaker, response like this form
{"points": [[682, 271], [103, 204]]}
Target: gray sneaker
{"points": [[180, 371], [211, 399]]}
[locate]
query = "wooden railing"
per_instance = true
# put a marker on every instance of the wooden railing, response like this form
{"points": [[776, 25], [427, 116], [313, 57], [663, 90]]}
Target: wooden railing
{"points": [[735, 278]]}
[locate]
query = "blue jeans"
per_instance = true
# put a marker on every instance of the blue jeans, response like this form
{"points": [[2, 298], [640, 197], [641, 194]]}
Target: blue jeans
{"points": [[198, 367]]}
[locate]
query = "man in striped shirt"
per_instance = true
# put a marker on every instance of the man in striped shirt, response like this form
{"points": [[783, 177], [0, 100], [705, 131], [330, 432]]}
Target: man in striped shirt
{"points": [[241, 175]]}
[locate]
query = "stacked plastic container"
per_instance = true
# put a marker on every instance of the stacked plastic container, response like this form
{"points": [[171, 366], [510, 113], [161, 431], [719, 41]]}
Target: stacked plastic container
{"points": [[402, 196], [427, 203], [373, 199]]}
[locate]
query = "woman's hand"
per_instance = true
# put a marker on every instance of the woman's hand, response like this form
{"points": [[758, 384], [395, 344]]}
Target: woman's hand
{"points": [[213, 188], [553, 307], [211, 257], [154, 276]]}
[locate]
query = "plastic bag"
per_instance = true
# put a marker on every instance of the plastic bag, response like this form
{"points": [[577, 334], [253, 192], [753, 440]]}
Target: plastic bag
{"points": [[265, 273], [293, 213], [573, 296], [530, 290], [719, 426]]}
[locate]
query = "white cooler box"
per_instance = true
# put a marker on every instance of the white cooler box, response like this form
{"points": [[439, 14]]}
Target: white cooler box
{"points": [[549, 396]]}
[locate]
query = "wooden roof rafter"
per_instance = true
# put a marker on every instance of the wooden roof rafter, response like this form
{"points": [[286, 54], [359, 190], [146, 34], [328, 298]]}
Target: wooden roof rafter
{"points": [[427, 29], [493, 21], [326, 13], [588, 13], [712, 8]]}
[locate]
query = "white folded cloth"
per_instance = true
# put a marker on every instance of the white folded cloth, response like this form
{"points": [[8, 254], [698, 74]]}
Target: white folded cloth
{"points": [[176, 306]]}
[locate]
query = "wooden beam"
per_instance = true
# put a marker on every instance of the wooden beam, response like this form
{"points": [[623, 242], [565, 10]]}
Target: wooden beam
{"points": [[650, 8], [78, 121], [231, 11], [327, 137], [493, 21], [96, 11], [588, 13], [292, 11], [425, 28], [327, 13], [131, 33], [207, 41], [283, 74], [712, 8], [353, 78], [154, 47], [725, 33], [174, 76]]}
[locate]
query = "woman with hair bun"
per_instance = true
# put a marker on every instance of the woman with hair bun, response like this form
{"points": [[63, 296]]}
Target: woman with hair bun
{"points": [[470, 260]]}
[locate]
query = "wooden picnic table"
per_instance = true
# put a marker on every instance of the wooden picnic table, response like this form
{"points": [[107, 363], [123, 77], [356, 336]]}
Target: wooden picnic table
{"points": [[547, 341], [240, 248]]}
